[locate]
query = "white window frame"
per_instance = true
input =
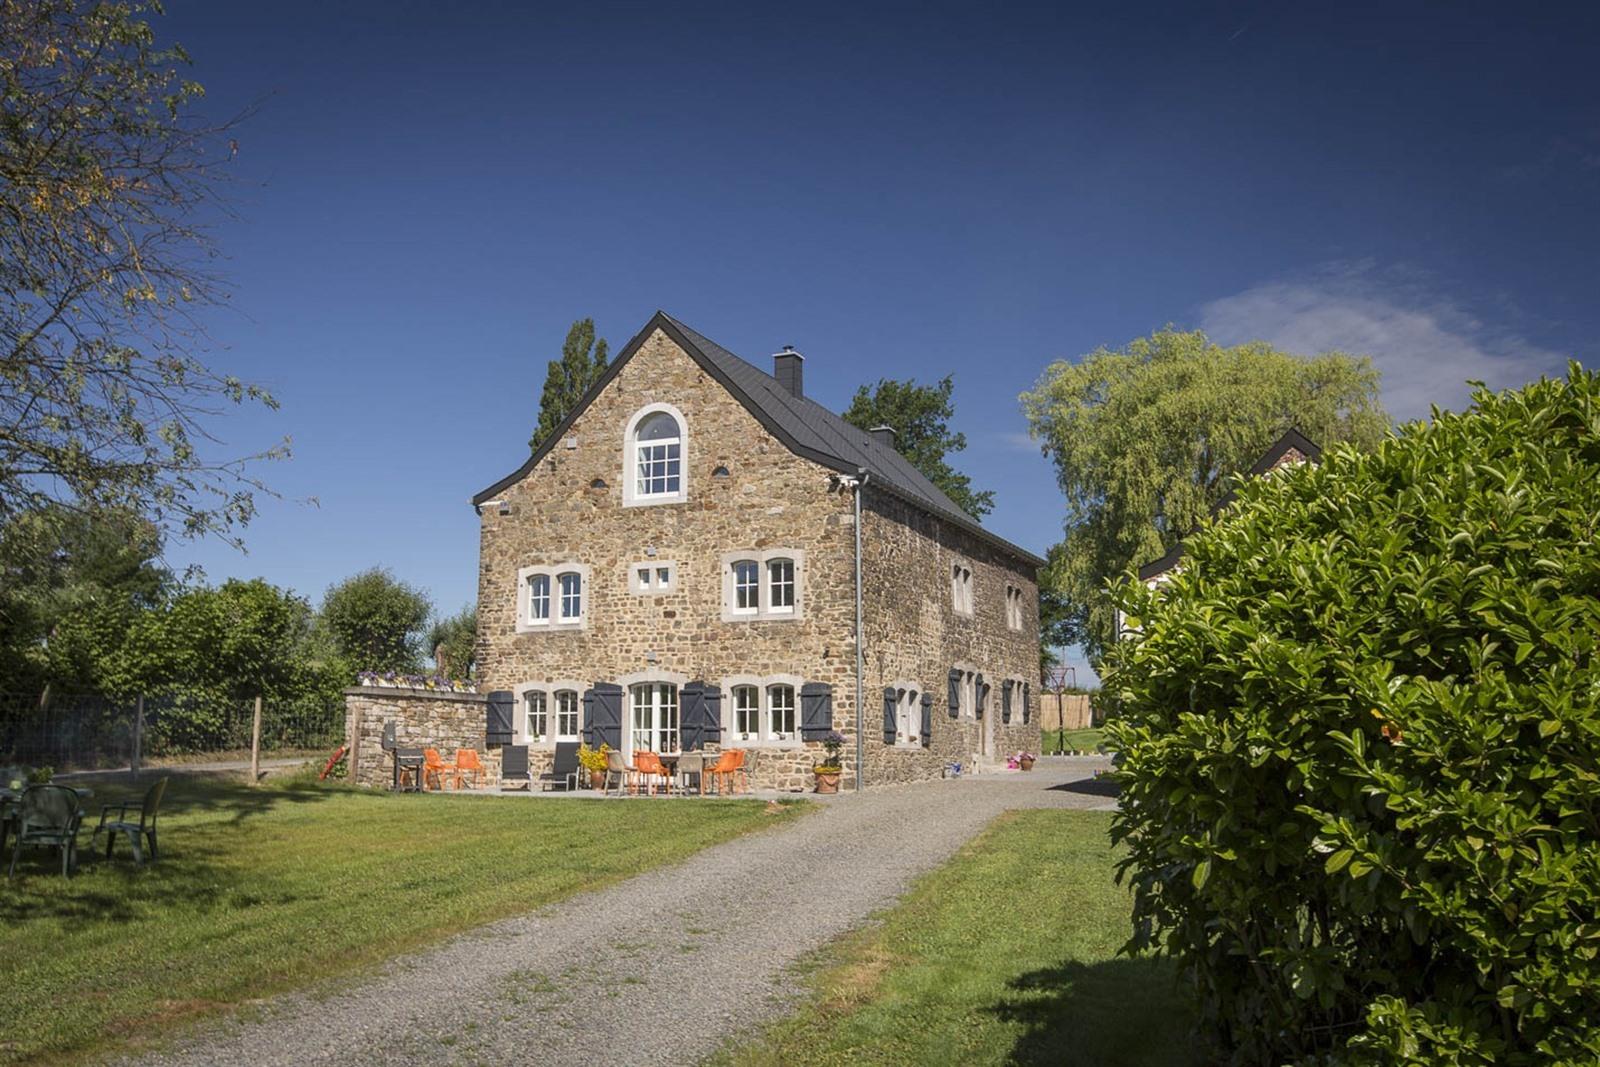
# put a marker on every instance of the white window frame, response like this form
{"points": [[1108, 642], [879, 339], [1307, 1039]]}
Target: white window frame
{"points": [[555, 621], [746, 577], [765, 610], [907, 714], [658, 731], [764, 736], [631, 495], [961, 582], [770, 580], [969, 690], [1013, 607], [552, 731], [653, 584]]}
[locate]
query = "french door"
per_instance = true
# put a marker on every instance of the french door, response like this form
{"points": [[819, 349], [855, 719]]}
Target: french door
{"points": [[655, 717]]}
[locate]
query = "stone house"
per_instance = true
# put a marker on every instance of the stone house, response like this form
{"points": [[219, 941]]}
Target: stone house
{"points": [[675, 567]]}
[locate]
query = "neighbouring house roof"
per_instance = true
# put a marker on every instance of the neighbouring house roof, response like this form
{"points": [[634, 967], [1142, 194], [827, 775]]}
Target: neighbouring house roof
{"points": [[1293, 442], [804, 426]]}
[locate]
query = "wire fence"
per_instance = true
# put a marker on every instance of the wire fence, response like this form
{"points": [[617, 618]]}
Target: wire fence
{"points": [[87, 731]]}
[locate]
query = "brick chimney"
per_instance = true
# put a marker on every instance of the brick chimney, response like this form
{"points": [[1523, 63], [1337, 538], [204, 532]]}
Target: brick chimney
{"points": [[883, 435], [788, 367]]}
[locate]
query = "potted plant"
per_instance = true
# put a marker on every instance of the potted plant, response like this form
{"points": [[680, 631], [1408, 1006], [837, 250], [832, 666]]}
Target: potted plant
{"points": [[594, 761], [1025, 760], [827, 772]]}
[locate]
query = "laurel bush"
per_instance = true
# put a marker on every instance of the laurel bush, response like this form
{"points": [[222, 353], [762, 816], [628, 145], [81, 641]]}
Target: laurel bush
{"points": [[1360, 734]]}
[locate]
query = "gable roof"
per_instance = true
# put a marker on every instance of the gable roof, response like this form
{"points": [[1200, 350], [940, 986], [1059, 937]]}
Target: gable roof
{"points": [[1292, 441], [804, 426]]}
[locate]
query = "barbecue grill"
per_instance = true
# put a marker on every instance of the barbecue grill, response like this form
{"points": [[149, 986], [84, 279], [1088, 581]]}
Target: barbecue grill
{"points": [[407, 762]]}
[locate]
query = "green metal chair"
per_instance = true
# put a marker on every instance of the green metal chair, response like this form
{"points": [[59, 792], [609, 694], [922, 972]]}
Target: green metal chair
{"points": [[48, 816], [145, 827]]}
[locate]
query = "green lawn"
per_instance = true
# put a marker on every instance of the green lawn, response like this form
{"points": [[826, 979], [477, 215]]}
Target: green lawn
{"points": [[1007, 955], [261, 890], [1088, 739]]}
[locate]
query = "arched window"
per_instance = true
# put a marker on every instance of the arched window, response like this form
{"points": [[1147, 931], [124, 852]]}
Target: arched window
{"points": [[655, 456]]}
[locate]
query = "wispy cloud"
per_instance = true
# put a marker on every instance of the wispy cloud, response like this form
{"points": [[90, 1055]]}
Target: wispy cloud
{"points": [[1426, 344], [1018, 442]]}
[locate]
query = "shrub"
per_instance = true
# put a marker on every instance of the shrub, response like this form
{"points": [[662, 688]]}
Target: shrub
{"points": [[1361, 744]]}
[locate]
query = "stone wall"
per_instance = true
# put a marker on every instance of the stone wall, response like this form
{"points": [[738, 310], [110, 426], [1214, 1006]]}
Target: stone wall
{"points": [[424, 719]]}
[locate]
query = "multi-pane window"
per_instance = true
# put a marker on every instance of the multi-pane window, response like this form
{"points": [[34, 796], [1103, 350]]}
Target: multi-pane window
{"points": [[571, 596], [535, 715], [655, 717], [652, 577], [746, 585], [780, 712], [538, 598], [961, 587], [550, 597], [658, 457], [566, 714], [780, 585], [747, 712]]}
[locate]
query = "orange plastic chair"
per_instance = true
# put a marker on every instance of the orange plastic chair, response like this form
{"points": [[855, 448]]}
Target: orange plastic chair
{"points": [[467, 762], [648, 764], [434, 767], [722, 770]]}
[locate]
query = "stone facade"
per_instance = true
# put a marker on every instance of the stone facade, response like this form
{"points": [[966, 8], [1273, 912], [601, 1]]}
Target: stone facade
{"points": [[745, 492]]}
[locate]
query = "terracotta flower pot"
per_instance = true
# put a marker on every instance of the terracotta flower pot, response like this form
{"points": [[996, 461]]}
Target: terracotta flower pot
{"points": [[827, 783], [1027, 764]]}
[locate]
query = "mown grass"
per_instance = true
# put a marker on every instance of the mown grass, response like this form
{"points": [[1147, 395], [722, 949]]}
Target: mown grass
{"points": [[1006, 955], [265, 889], [1086, 740]]}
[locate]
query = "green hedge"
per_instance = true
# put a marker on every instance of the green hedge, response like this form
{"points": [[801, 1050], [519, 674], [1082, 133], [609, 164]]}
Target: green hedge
{"points": [[1361, 744]]}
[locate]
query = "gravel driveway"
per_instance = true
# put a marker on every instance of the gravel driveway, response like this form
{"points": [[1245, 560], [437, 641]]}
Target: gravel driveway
{"points": [[658, 969]]}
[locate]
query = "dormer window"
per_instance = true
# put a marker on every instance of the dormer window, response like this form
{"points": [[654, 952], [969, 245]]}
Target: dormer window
{"points": [[656, 446]]}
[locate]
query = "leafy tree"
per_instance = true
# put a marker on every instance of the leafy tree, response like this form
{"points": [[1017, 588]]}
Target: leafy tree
{"points": [[105, 174], [582, 362], [376, 620], [1146, 440], [453, 643], [1055, 615], [1360, 731], [71, 585], [920, 417]]}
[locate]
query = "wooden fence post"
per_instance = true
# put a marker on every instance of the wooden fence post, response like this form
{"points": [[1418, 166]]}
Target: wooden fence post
{"points": [[137, 762], [255, 745]]}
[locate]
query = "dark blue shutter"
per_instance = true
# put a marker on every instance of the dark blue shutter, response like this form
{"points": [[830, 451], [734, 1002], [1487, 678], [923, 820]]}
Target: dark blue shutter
{"points": [[980, 697], [927, 719], [816, 710], [497, 730], [1005, 700], [711, 727], [602, 715], [955, 692], [691, 716], [1027, 694], [891, 704]]}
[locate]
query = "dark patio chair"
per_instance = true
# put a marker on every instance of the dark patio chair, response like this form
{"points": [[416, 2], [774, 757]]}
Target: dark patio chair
{"points": [[144, 828], [514, 766], [48, 816], [564, 768]]}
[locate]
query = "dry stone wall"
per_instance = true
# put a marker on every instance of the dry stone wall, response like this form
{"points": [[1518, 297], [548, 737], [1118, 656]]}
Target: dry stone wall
{"points": [[423, 718]]}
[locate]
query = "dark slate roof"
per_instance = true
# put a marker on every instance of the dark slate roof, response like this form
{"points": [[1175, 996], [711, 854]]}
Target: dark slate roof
{"points": [[1292, 441], [804, 426]]}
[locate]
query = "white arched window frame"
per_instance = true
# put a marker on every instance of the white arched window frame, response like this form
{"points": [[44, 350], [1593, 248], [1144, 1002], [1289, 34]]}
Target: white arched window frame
{"points": [[761, 711], [656, 463], [552, 598], [547, 712], [907, 714]]}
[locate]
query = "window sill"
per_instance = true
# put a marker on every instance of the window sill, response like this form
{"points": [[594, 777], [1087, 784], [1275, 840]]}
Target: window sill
{"points": [[759, 743], [655, 501], [524, 627]]}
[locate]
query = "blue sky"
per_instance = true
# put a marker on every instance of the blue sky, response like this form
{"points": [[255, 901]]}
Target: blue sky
{"points": [[427, 195]]}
